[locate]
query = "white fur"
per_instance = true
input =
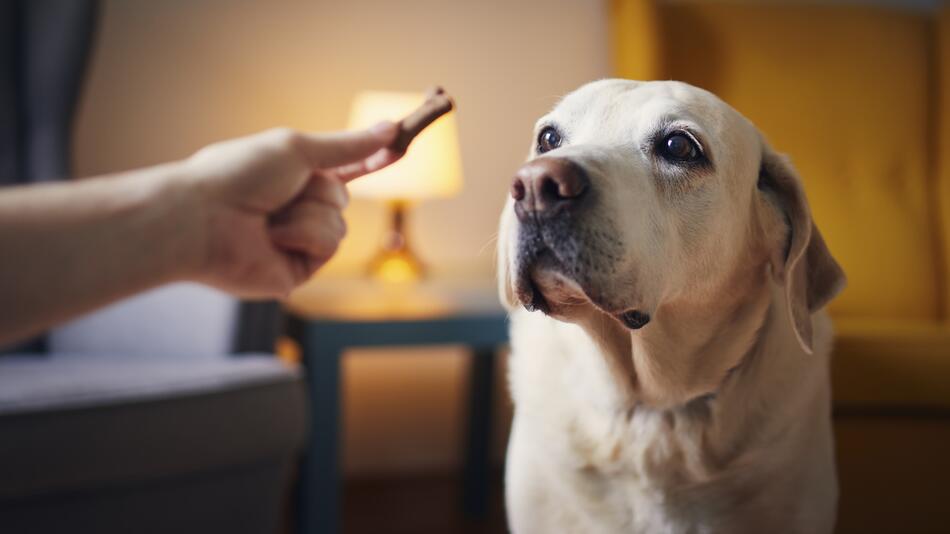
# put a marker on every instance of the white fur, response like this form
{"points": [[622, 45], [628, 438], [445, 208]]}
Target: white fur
{"points": [[711, 418]]}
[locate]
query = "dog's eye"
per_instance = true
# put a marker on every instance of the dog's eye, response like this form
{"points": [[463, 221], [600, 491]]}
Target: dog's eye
{"points": [[679, 146], [548, 139]]}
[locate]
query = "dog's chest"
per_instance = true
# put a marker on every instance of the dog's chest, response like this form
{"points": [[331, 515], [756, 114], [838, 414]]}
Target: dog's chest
{"points": [[643, 448], [598, 448], [568, 391]]}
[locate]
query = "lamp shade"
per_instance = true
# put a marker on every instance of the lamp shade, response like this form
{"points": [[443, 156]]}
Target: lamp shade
{"points": [[431, 167]]}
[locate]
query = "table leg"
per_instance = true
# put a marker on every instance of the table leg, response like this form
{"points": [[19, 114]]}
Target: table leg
{"points": [[319, 499], [477, 475]]}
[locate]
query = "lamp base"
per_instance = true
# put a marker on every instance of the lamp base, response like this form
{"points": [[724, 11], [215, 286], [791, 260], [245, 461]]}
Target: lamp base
{"points": [[395, 261]]}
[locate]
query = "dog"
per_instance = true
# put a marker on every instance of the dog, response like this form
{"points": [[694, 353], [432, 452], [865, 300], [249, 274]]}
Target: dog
{"points": [[665, 285]]}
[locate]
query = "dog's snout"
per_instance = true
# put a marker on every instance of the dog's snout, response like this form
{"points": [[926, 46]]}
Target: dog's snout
{"points": [[547, 185]]}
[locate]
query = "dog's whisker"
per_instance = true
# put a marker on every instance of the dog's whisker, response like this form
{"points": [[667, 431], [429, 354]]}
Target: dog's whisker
{"points": [[491, 240]]}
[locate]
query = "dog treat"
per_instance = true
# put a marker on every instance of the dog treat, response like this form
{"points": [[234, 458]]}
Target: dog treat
{"points": [[437, 103]]}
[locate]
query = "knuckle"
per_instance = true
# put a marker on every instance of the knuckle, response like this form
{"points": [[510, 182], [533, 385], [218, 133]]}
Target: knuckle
{"points": [[341, 225], [284, 137], [324, 181], [338, 194], [204, 152], [344, 195]]}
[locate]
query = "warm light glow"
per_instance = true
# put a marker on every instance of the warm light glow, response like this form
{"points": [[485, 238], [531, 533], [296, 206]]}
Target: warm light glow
{"points": [[431, 168], [396, 269]]}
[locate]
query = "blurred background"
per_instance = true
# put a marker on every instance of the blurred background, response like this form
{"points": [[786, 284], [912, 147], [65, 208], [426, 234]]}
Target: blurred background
{"points": [[855, 91]]}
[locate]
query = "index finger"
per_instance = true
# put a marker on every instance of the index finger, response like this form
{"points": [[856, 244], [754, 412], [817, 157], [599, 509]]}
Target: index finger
{"points": [[328, 150]]}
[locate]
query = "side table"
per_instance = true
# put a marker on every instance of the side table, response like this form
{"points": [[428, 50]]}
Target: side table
{"points": [[326, 317]]}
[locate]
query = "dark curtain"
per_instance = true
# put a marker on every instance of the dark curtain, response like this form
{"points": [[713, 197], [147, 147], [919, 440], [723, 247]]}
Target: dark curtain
{"points": [[44, 51]]}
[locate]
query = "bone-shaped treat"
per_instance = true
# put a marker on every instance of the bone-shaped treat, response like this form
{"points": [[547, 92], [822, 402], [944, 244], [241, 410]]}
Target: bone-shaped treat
{"points": [[437, 103]]}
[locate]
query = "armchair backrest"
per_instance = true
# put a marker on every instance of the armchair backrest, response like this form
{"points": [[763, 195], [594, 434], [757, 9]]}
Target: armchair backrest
{"points": [[173, 320], [850, 93]]}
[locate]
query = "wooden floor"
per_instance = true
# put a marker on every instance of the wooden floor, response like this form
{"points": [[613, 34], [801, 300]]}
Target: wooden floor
{"points": [[416, 506]]}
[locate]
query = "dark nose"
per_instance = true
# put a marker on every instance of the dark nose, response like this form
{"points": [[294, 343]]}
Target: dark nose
{"points": [[547, 186]]}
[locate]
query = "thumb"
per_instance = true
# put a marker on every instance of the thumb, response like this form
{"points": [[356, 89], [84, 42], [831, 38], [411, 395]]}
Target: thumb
{"points": [[326, 150]]}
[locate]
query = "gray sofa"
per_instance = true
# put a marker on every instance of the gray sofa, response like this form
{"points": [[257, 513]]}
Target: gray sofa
{"points": [[135, 421], [161, 413]]}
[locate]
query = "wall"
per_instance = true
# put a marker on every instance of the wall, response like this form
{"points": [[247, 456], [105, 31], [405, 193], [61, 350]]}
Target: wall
{"points": [[169, 77]]}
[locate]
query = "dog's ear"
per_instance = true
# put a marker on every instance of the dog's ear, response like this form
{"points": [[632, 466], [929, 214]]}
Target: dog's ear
{"points": [[802, 262]]}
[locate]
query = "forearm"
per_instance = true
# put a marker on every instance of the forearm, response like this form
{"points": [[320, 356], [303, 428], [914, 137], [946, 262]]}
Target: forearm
{"points": [[70, 247]]}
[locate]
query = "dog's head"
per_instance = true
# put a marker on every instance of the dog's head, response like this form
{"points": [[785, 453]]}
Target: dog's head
{"points": [[637, 195]]}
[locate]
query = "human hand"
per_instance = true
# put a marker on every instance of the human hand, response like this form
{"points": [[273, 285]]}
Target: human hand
{"points": [[272, 203]]}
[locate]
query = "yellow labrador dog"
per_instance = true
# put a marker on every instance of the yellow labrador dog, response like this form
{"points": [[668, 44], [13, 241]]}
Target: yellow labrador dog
{"points": [[669, 353]]}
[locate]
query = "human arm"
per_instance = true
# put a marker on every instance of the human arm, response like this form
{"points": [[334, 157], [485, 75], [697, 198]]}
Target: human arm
{"points": [[253, 216]]}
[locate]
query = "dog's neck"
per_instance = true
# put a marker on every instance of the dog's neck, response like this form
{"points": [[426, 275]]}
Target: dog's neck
{"points": [[688, 349]]}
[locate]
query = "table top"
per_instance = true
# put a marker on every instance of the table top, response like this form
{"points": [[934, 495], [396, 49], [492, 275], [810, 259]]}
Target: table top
{"points": [[355, 299]]}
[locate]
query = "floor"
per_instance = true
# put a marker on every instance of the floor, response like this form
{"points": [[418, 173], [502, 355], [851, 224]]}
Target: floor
{"points": [[423, 505]]}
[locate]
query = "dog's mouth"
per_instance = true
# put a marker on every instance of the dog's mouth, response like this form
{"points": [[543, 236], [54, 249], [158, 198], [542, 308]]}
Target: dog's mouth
{"points": [[538, 276], [546, 284], [530, 295], [563, 269]]}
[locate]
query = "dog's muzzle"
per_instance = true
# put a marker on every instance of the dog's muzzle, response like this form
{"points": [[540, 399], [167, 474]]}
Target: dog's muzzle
{"points": [[555, 234], [547, 192]]}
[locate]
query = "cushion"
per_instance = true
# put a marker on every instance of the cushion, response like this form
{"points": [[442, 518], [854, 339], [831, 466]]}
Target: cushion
{"points": [[181, 318], [106, 420], [891, 366]]}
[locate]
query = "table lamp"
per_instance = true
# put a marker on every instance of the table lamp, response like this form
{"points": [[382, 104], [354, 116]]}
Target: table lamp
{"points": [[430, 169]]}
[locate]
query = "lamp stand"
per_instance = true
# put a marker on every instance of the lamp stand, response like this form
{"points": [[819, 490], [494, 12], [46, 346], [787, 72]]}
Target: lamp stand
{"points": [[395, 261]]}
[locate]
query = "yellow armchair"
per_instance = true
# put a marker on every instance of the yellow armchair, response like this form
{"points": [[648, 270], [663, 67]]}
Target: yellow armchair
{"points": [[859, 97]]}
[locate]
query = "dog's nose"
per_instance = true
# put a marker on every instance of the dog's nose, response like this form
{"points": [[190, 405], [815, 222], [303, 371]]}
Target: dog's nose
{"points": [[546, 186]]}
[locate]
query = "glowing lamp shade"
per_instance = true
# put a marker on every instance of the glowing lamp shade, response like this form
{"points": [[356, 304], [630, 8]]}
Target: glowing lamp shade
{"points": [[431, 167]]}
